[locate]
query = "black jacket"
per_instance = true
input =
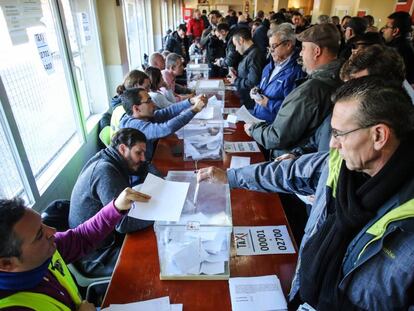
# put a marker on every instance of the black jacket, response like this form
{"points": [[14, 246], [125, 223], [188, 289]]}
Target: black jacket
{"points": [[260, 38], [232, 58], [249, 73], [405, 48], [176, 44]]}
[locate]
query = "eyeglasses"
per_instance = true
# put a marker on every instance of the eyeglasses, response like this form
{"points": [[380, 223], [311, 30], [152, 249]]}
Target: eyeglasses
{"points": [[149, 101], [275, 46], [335, 133]]}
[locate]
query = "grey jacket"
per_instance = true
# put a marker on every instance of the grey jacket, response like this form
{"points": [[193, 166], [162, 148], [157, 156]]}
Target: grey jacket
{"points": [[301, 113], [101, 180], [379, 277]]}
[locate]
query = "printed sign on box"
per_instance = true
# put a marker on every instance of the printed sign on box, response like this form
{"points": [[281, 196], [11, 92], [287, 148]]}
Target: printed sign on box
{"points": [[262, 240]]}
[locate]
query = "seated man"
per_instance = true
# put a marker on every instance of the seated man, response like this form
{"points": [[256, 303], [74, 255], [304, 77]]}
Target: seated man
{"points": [[33, 257], [249, 68], [174, 67], [358, 239], [102, 179], [155, 124], [157, 60]]}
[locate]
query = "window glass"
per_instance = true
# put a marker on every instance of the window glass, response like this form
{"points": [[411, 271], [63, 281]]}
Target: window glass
{"points": [[86, 57], [37, 83], [11, 184]]}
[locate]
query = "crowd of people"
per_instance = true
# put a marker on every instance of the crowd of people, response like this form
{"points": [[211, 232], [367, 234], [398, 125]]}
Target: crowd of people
{"points": [[336, 100]]}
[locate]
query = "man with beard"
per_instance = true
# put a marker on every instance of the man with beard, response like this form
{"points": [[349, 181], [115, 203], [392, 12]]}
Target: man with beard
{"points": [[101, 180]]}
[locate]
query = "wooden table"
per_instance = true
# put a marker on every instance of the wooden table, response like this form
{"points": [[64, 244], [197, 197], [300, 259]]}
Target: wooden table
{"points": [[136, 275]]}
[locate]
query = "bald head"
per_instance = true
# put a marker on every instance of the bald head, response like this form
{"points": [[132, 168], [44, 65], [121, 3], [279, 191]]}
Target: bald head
{"points": [[157, 60]]}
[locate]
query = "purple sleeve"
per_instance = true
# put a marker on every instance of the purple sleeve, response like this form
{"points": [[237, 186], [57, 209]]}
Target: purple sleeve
{"points": [[78, 242]]}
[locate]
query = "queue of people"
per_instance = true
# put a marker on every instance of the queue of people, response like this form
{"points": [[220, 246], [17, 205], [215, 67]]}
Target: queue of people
{"points": [[336, 99]]}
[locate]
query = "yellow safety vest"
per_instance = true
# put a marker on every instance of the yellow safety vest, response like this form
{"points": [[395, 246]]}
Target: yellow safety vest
{"points": [[42, 302]]}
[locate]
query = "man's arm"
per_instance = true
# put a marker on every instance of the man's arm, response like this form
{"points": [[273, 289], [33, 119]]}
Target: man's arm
{"points": [[292, 122], [162, 115], [299, 176], [76, 243]]}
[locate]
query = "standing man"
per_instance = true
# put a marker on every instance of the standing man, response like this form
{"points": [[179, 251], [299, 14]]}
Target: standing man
{"points": [[232, 57], [250, 67], [195, 25], [356, 27], [101, 180], [179, 43], [304, 109], [396, 34], [359, 236]]}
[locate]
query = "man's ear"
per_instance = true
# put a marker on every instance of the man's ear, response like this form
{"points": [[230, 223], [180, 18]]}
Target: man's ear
{"points": [[122, 149], [317, 51], [396, 32], [8, 264], [381, 135]]}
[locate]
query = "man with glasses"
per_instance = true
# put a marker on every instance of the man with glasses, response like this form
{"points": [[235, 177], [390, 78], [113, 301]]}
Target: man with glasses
{"points": [[356, 27], [279, 76], [359, 236], [142, 115], [396, 34], [304, 109]]}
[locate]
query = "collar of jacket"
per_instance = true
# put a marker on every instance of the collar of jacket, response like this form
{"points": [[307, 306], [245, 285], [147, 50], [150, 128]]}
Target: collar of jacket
{"points": [[112, 155], [327, 71], [252, 47]]}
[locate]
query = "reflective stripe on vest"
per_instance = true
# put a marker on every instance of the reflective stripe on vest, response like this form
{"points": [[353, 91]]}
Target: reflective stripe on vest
{"points": [[379, 228], [335, 162], [38, 301]]}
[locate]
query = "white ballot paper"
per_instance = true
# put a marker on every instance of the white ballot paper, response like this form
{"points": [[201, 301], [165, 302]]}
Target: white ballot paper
{"points": [[158, 304], [244, 115], [206, 114], [237, 162], [262, 240], [167, 199], [241, 146], [231, 118], [262, 293]]}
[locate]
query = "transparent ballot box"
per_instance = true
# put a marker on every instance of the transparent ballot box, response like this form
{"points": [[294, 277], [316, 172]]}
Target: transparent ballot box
{"points": [[213, 89], [203, 140], [196, 72], [197, 246]]}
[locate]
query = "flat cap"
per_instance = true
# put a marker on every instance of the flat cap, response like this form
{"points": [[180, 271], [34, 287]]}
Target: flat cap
{"points": [[323, 35]]}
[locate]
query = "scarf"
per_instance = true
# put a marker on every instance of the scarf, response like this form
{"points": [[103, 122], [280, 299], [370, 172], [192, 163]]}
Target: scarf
{"points": [[17, 281], [358, 197]]}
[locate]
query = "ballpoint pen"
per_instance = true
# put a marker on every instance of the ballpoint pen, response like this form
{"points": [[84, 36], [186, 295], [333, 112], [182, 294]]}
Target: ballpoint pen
{"points": [[197, 184]]}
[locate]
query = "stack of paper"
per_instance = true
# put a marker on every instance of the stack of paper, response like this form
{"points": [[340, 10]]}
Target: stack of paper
{"points": [[158, 304], [260, 293]]}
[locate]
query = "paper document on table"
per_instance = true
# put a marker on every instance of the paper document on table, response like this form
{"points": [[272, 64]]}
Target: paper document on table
{"points": [[158, 304], [232, 118], [244, 115], [241, 146], [237, 162], [230, 87], [209, 84], [257, 293], [206, 114], [160, 206]]}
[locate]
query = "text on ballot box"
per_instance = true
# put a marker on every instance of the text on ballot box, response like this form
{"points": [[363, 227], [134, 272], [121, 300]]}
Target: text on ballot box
{"points": [[262, 240]]}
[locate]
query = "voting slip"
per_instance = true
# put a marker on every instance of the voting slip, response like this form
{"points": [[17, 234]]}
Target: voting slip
{"points": [[240, 146], [160, 206], [261, 293], [262, 240], [157, 304], [237, 162], [244, 115]]}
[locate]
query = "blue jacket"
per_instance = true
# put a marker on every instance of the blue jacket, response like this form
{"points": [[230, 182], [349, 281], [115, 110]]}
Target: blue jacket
{"points": [[277, 88], [165, 122], [379, 263]]}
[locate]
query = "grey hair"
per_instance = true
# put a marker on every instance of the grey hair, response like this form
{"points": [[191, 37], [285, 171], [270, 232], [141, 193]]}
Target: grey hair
{"points": [[324, 19], [172, 60], [284, 31]]}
